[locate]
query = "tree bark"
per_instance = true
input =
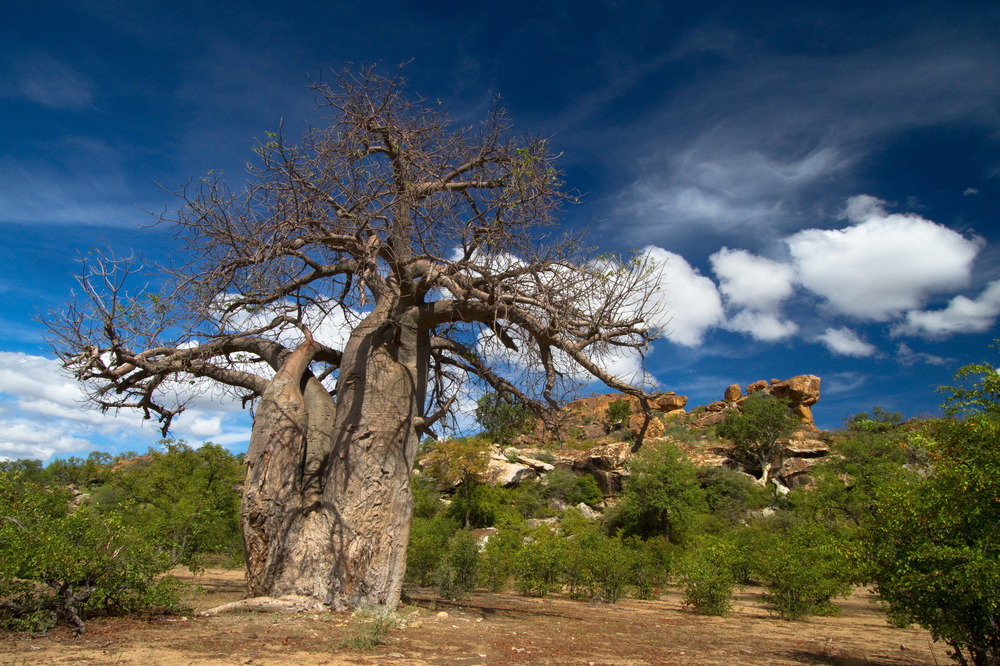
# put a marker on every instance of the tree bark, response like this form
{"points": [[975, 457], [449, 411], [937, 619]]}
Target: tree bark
{"points": [[327, 502]]}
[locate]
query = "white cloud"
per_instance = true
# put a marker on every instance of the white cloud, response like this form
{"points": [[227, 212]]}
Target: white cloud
{"points": [[690, 298], [25, 439], [751, 281], [44, 413], [845, 342], [762, 326], [884, 264], [908, 357], [969, 191], [963, 315]]}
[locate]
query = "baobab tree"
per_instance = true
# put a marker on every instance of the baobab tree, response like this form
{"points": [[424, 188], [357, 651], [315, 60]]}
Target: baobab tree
{"points": [[351, 291]]}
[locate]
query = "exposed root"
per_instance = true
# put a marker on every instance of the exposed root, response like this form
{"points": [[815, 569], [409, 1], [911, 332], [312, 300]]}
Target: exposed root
{"points": [[290, 603]]}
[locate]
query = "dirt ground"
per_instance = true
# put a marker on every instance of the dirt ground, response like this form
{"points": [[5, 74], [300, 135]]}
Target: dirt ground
{"points": [[485, 629]]}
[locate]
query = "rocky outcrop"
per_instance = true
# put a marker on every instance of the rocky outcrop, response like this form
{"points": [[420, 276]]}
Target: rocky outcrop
{"points": [[801, 392], [502, 472], [605, 463]]}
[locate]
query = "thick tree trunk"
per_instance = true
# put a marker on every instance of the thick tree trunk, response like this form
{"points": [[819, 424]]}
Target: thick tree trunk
{"points": [[327, 503]]}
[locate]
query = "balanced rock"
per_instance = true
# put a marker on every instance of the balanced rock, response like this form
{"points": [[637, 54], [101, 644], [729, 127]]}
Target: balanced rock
{"points": [[670, 402], [733, 393], [801, 392]]}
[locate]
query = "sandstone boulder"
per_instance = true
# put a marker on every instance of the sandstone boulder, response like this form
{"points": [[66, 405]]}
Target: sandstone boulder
{"points": [[500, 472], [760, 385], [653, 430], [709, 419], [733, 393], [801, 392], [669, 402]]}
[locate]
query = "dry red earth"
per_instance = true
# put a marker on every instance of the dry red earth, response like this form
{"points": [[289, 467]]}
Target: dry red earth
{"points": [[485, 629]]}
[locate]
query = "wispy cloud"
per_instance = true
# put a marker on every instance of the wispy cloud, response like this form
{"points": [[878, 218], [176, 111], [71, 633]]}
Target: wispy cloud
{"points": [[45, 80]]}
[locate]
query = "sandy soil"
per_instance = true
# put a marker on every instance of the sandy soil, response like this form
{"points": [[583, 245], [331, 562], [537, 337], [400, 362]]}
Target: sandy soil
{"points": [[485, 629]]}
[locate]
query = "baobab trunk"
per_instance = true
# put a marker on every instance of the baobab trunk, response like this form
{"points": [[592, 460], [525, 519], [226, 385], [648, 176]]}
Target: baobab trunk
{"points": [[327, 502]]}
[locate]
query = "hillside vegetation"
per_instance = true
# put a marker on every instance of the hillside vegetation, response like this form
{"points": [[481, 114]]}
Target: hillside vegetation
{"points": [[721, 498]]}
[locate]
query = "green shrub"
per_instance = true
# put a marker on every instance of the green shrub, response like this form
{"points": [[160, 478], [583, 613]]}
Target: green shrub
{"points": [[370, 629], [60, 565], [611, 569], [931, 545], [499, 558], [802, 569], [707, 578], [663, 494], [566, 486], [619, 412], [539, 564], [651, 564], [485, 506], [458, 571], [755, 429], [428, 544], [730, 494]]}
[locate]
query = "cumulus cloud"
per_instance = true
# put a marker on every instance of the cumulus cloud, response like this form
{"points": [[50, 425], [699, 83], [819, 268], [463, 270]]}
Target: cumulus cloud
{"points": [[751, 281], [761, 326], [963, 315], [691, 299], [44, 414], [884, 264], [845, 342]]}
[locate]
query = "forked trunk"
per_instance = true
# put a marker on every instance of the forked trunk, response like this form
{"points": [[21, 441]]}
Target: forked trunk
{"points": [[327, 502]]}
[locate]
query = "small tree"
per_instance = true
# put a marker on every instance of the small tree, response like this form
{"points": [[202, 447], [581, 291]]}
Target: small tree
{"points": [[931, 546], [663, 494], [618, 414], [755, 429], [503, 418], [461, 461]]}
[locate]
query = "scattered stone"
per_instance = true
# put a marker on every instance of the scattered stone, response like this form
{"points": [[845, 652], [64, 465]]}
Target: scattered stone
{"points": [[587, 512], [443, 615]]}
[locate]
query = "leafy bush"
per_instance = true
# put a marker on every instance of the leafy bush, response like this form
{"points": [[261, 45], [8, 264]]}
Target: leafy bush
{"points": [[185, 500], [619, 412], [611, 566], [755, 430], [566, 486], [370, 629], [60, 564], [539, 564], [428, 545], [730, 494], [663, 494], [503, 418], [458, 571], [707, 578], [931, 545], [499, 558], [802, 569]]}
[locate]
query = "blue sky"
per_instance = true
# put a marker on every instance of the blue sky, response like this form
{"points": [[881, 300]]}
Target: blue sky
{"points": [[822, 183]]}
